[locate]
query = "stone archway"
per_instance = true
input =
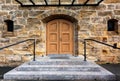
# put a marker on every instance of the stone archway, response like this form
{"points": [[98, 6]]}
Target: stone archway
{"points": [[60, 13], [65, 15]]}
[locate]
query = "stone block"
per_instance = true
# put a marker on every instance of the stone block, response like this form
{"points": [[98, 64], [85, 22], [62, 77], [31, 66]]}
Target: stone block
{"points": [[99, 26], [112, 1], [21, 52], [118, 45], [105, 13], [2, 1], [22, 21], [13, 58], [27, 58], [3, 13], [2, 58], [99, 33], [101, 7], [107, 59], [93, 58], [34, 13], [117, 6], [35, 33], [33, 21], [115, 38], [8, 1], [84, 27], [117, 12], [97, 20], [25, 13], [9, 7], [4, 40], [112, 7], [6, 52], [16, 27], [87, 14], [118, 58], [1, 25], [113, 51], [73, 8], [17, 13]]}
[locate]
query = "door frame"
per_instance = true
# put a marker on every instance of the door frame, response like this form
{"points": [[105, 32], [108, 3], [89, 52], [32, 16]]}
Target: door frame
{"points": [[73, 25]]}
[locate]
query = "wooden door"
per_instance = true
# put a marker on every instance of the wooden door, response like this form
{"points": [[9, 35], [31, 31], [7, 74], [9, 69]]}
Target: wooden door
{"points": [[59, 37]]}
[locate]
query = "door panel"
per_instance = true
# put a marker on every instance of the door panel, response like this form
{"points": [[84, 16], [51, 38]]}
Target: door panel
{"points": [[66, 36], [52, 37], [59, 37]]}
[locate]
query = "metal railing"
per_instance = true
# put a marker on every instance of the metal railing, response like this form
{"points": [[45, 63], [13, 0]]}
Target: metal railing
{"points": [[85, 44], [59, 3], [34, 45]]}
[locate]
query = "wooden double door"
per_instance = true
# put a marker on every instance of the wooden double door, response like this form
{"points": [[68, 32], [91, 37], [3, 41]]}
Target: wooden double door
{"points": [[59, 38]]}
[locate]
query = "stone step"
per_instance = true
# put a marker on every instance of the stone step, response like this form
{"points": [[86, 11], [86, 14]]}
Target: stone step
{"points": [[59, 55], [58, 75], [58, 62], [59, 68]]}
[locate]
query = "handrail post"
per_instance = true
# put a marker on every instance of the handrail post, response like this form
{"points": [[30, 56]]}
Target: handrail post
{"points": [[34, 50], [84, 50]]}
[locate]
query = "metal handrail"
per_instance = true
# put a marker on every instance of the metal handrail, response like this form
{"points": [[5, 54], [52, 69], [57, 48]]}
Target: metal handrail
{"points": [[34, 45], [85, 40]]}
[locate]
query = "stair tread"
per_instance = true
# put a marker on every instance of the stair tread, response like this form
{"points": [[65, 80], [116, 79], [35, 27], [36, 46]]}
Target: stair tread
{"points": [[60, 69], [58, 72], [60, 66]]}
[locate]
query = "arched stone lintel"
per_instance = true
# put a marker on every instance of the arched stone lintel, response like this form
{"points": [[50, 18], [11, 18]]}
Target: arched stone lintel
{"points": [[59, 14]]}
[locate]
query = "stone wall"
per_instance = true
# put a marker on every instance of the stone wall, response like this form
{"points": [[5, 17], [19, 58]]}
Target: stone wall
{"points": [[28, 23]]}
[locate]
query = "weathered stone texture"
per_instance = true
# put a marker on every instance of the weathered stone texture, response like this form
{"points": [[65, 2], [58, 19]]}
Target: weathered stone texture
{"points": [[112, 1], [9, 7], [117, 12], [2, 1], [109, 7], [2, 13], [8, 1], [13, 58], [87, 13], [35, 13], [117, 6], [17, 13], [2, 58], [105, 13], [28, 23], [21, 21]]}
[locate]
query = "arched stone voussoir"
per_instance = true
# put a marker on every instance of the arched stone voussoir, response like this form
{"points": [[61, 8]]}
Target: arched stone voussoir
{"points": [[59, 13]]}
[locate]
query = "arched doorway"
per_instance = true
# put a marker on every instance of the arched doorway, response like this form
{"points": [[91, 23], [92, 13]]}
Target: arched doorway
{"points": [[59, 37]]}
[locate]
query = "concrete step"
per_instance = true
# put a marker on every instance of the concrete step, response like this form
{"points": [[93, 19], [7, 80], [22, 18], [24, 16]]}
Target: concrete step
{"points": [[59, 68], [59, 62], [59, 55], [58, 75]]}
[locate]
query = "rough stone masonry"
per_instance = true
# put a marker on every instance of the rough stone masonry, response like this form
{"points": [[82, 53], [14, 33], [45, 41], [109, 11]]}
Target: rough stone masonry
{"points": [[28, 23]]}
